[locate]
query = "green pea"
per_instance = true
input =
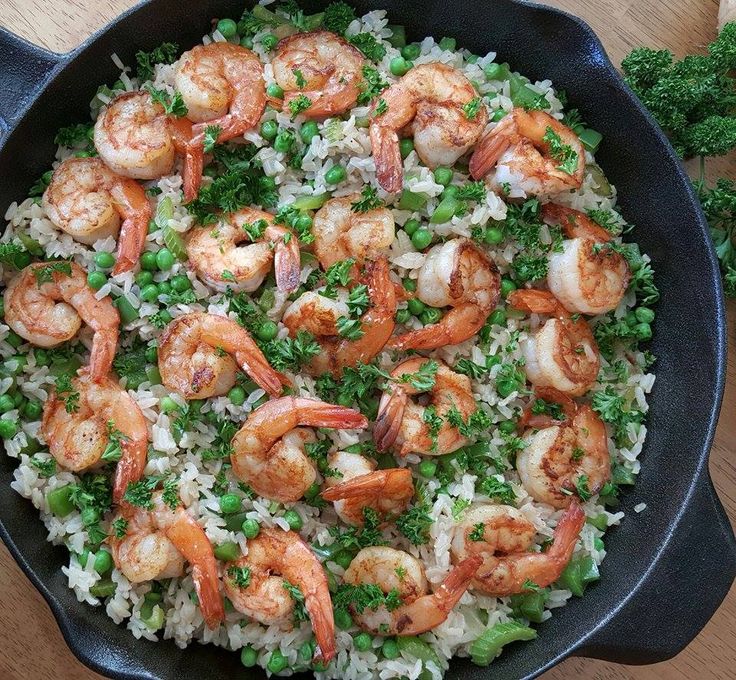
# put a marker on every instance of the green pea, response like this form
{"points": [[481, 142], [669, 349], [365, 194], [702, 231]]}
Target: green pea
{"points": [[269, 41], [430, 315], [643, 331], [644, 315], [143, 278], [411, 51], [399, 66], [59, 500], [343, 558], [448, 44], [402, 315], [406, 146], [168, 405], [507, 286], [269, 130], [303, 223], [277, 662], [497, 317], [267, 183], [390, 649], [275, 91], [493, 236], [506, 387], [445, 210], [180, 283], [103, 589], [363, 642], [498, 115], [427, 468], [148, 261], [336, 174], [312, 492], [227, 551], [229, 503], [268, 330], [308, 130], [152, 226], [151, 354], [95, 280], [409, 284], [630, 319], [32, 410], [165, 259], [228, 28], [150, 293], [247, 41], [248, 656], [19, 400], [104, 260], [443, 176], [164, 314], [164, 287], [153, 375], [421, 238], [507, 426], [6, 403], [237, 395], [294, 520], [283, 142], [343, 620], [450, 192], [415, 306], [103, 562], [411, 226], [251, 528], [14, 340]]}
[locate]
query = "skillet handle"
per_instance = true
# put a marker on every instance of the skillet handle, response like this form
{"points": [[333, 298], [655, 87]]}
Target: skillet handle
{"points": [[24, 70], [680, 594]]}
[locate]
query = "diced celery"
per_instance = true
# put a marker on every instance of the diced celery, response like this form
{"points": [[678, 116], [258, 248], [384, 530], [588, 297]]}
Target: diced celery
{"points": [[490, 644]]}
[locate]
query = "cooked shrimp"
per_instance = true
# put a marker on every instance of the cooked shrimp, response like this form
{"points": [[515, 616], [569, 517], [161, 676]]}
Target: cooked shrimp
{"points": [[435, 98], [198, 352], [276, 466], [318, 315], [78, 433], [508, 565], [404, 424], [562, 353], [559, 454], [87, 201], [46, 304], [396, 570], [585, 276], [460, 275], [155, 546], [359, 485], [218, 259], [340, 233], [531, 152], [321, 66], [274, 559], [135, 138]]}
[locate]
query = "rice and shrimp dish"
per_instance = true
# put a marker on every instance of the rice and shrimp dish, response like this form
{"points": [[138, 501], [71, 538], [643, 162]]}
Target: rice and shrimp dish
{"points": [[323, 346]]}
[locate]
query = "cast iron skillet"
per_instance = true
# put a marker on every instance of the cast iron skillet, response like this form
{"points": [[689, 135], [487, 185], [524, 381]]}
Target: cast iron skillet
{"points": [[669, 567]]}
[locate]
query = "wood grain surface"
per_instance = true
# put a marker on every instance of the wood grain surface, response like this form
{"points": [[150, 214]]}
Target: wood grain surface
{"points": [[32, 646]]}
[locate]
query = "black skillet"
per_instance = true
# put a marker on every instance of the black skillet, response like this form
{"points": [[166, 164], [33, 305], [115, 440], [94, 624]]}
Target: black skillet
{"points": [[669, 567]]}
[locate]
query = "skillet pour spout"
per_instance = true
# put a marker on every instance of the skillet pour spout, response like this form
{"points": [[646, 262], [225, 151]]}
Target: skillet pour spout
{"points": [[669, 567]]}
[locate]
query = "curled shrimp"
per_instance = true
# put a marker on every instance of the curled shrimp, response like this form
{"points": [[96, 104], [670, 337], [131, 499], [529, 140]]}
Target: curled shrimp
{"points": [[78, 436], [46, 304], [215, 254], [437, 100], [87, 201], [358, 485], [562, 353], [277, 468], [155, 546], [403, 423], [199, 354], [585, 276], [321, 66], [460, 275], [559, 454], [340, 233], [508, 566], [135, 138], [318, 315], [274, 559], [531, 152], [398, 571]]}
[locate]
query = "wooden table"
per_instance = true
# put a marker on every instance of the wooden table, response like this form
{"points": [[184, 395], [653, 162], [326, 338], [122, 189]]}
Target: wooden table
{"points": [[31, 642]]}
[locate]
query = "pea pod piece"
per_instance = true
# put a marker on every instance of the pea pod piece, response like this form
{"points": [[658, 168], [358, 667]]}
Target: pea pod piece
{"points": [[104, 588], [313, 202], [419, 649], [604, 186], [490, 644], [412, 201], [173, 240]]}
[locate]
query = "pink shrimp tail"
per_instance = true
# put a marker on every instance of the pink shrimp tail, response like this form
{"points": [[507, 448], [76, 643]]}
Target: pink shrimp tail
{"points": [[136, 211], [129, 468], [388, 421], [312, 413], [389, 167], [104, 343], [370, 483], [486, 154], [566, 533], [574, 223], [287, 265], [457, 582]]}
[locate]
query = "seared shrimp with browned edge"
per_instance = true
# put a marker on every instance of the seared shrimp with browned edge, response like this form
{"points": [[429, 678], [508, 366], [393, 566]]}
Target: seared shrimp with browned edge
{"points": [[440, 106], [46, 303], [275, 464], [396, 571], [199, 355], [221, 258], [157, 542], [88, 201], [502, 536]]}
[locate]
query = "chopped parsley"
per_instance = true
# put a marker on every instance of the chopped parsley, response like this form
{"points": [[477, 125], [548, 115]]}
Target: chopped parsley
{"points": [[530, 267], [170, 494], [45, 274], [67, 394], [46, 468], [299, 104], [300, 610], [472, 191], [239, 576], [211, 133], [414, 524], [350, 329], [499, 491], [120, 527], [581, 487], [368, 45], [92, 495], [478, 532], [371, 86], [381, 108], [75, 136], [301, 83], [358, 300], [472, 107], [173, 106], [113, 450], [338, 16], [564, 154], [364, 596], [140, 493], [425, 377], [368, 201], [165, 53]]}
